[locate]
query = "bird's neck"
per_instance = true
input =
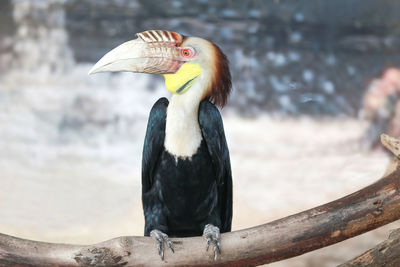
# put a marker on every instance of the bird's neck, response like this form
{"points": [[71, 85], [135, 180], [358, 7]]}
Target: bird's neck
{"points": [[182, 133]]}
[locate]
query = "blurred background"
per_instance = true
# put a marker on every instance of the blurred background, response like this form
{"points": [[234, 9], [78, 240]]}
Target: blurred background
{"points": [[314, 83]]}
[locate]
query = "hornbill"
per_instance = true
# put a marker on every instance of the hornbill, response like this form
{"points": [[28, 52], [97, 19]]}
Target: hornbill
{"points": [[186, 173]]}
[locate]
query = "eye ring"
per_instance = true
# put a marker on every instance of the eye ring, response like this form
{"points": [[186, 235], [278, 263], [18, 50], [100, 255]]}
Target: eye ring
{"points": [[188, 52]]}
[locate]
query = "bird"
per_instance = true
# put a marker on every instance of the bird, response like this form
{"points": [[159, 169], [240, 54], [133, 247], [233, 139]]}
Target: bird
{"points": [[186, 170]]}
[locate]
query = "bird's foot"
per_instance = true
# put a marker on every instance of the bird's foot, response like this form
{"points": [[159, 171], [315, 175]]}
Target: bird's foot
{"points": [[211, 234], [160, 238]]}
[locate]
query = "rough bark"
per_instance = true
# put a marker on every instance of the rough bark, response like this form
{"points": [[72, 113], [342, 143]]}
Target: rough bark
{"points": [[385, 254], [357, 213]]}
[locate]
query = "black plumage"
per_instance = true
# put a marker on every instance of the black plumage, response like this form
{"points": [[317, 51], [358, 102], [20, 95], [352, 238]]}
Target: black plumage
{"points": [[181, 195]]}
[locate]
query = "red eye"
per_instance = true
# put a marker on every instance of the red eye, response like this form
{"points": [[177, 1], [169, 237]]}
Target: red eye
{"points": [[188, 52]]}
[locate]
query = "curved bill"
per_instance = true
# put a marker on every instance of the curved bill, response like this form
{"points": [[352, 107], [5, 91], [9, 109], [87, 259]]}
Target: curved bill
{"points": [[140, 56]]}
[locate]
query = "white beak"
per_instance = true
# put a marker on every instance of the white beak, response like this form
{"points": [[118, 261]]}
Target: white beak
{"points": [[140, 56]]}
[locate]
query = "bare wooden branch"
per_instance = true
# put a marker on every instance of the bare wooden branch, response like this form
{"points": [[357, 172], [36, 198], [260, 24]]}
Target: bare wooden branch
{"points": [[362, 211], [392, 144], [385, 254]]}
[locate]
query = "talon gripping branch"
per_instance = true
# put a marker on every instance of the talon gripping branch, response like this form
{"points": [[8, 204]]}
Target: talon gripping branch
{"points": [[186, 173]]}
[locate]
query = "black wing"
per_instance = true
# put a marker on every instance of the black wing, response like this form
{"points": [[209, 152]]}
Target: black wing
{"points": [[212, 129], [153, 142]]}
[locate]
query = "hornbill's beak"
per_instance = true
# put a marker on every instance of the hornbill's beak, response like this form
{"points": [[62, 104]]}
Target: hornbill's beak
{"points": [[151, 52]]}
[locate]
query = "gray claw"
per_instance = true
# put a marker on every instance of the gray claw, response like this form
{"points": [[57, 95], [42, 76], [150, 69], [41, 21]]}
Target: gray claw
{"points": [[160, 238], [211, 234], [170, 245]]}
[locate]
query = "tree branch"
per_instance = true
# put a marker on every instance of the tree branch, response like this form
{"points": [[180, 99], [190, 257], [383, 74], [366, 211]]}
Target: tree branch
{"points": [[385, 254], [357, 213]]}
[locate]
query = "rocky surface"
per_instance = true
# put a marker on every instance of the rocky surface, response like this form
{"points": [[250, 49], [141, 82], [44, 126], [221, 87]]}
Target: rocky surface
{"points": [[308, 56], [312, 57]]}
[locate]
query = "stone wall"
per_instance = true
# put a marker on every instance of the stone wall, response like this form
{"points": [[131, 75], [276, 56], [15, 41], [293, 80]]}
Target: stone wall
{"points": [[291, 57], [287, 57]]}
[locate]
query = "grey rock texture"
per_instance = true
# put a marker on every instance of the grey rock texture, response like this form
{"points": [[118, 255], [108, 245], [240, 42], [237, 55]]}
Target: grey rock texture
{"points": [[292, 57], [313, 57]]}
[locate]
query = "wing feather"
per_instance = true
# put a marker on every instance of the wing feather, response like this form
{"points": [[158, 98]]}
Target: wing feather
{"points": [[212, 130], [153, 142]]}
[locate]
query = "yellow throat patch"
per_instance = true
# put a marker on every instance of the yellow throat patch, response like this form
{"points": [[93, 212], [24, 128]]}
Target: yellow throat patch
{"points": [[180, 81]]}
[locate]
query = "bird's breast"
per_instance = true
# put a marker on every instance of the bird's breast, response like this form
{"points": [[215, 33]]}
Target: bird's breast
{"points": [[187, 186], [182, 133]]}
